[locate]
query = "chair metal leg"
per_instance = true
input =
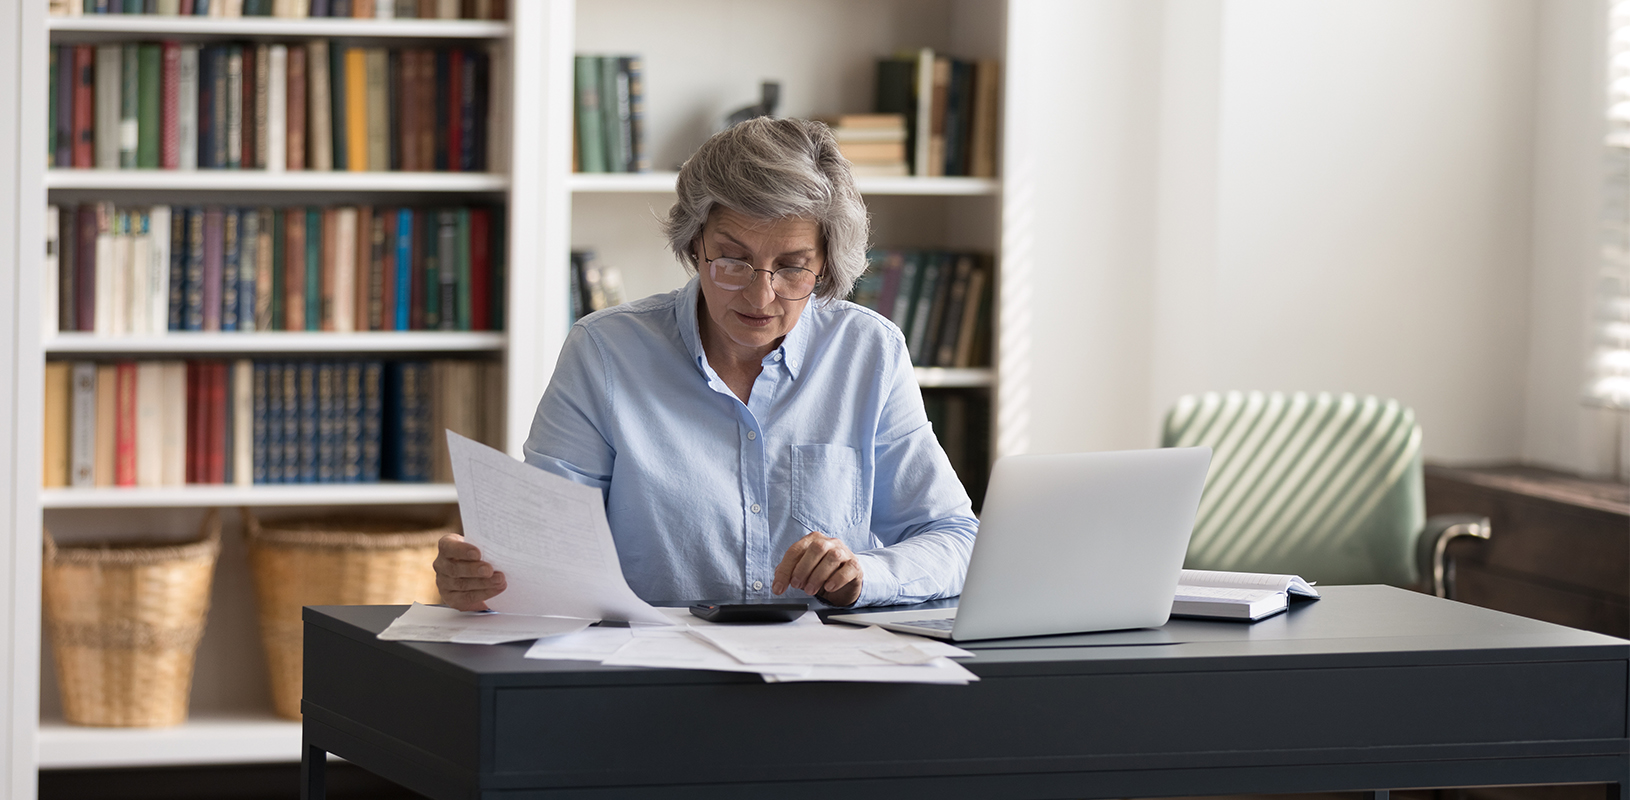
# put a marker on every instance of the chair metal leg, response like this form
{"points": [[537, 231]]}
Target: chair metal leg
{"points": [[313, 766]]}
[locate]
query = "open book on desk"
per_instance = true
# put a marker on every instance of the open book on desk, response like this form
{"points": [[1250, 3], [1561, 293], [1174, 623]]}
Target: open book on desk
{"points": [[1247, 596]]}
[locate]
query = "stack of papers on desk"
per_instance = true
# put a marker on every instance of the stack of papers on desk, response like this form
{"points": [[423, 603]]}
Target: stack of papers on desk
{"points": [[422, 623], [802, 650]]}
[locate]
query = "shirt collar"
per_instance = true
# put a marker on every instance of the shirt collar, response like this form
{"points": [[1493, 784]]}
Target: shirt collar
{"points": [[793, 346]]}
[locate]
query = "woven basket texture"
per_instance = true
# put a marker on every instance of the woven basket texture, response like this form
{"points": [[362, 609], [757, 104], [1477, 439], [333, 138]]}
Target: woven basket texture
{"points": [[125, 620], [349, 560]]}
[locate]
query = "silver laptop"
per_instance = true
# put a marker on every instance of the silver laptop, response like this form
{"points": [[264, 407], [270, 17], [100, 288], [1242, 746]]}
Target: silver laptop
{"points": [[1071, 543]]}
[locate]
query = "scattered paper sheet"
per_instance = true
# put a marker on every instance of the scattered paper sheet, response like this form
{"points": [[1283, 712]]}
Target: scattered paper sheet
{"points": [[941, 670], [678, 649], [548, 535], [422, 623], [828, 645], [594, 644]]}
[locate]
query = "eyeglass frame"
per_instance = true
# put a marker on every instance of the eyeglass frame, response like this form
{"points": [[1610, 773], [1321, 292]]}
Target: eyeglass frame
{"points": [[771, 272]]}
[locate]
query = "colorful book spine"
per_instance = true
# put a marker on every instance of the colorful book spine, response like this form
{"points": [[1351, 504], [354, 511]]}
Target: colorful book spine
{"points": [[404, 270], [169, 135], [214, 255], [150, 104], [130, 84], [373, 402], [186, 114], [294, 269], [84, 107]]}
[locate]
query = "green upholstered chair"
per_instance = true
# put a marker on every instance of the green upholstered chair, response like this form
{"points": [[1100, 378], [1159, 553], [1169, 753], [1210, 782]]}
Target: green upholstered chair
{"points": [[1326, 486]]}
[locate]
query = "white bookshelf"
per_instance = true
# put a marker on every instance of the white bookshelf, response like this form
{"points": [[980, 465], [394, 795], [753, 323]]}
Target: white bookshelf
{"points": [[551, 210], [118, 27], [659, 182], [242, 738], [254, 180], [277, 342], [221, 496]]}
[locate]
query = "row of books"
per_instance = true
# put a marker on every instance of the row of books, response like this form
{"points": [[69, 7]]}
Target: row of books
{"points": [[593, 285], [609, 134], [170, 423], [364, 9], [147, 270], [319, 105], [874, 144], [950, 106], [941, 301]]}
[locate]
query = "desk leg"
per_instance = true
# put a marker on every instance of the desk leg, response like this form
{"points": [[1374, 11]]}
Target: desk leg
{"points": [[1378, 794], [313, 764]]}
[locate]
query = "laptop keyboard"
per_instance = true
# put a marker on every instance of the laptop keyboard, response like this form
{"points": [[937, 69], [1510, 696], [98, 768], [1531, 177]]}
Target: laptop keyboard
{"points": [[941, 624]]}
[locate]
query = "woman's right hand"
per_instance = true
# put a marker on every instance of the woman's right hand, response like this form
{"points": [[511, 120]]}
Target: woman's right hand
{"points": [[466, 582]]}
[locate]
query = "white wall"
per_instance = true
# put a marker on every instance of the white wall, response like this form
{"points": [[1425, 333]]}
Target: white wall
{"points": [[1276, 194]]}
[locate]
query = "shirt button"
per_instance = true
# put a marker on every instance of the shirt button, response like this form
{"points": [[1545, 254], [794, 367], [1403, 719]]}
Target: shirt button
{"points": [[777, 356], [755, 508], [757, 585], [751, 435]]}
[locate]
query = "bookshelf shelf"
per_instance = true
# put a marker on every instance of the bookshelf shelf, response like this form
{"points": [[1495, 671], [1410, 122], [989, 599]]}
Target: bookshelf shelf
{"points": [[244, 738], [277, 342], [125, 26], [657, 182], [309, 494], [949, 378], [238, 181]]}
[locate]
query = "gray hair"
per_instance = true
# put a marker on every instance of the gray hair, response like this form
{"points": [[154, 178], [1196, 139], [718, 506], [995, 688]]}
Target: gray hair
{"points": [[772, 169]]}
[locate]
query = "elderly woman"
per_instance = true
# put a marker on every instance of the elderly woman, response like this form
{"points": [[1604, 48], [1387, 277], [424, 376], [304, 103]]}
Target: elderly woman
{"points": [[753, 433]]}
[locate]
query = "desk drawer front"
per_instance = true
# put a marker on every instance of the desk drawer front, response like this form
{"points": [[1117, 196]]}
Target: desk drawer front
{"points": [[597, 734]]}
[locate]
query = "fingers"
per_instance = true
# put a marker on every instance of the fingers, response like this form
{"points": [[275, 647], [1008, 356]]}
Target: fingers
{"points": [[789, 561], [814, 564], [464, 580]]}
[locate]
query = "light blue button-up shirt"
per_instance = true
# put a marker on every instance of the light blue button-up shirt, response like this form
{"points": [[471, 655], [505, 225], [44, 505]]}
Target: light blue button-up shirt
{"points": [[705, 494]]}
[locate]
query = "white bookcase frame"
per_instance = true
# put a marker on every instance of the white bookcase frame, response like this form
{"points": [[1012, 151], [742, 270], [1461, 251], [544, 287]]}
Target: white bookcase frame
{"points": [[542, 196]]}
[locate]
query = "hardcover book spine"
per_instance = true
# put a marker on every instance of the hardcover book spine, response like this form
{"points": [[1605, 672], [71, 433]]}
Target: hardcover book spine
{"points": [[149, 423], [109, 61], [234, 108], [55, 436], [373, 409], [447, 259], [348, 426], [219, 421], [169, 107], [84, 107], [277, 297], [356, 108], [129, 105], [319, 108], [442, 117], [150, 77], [385, 226], [213, 267], [364, 250], [107, 415], [326, 417], [294, 270], [480, 238], [300, 426], [277, 108], [124, 425], [376, 108], [51, 308], [208, 96], [67, 267], [635, 68], [67, 85], [160, 235], [590, 141], [465, 293], [394, 89], [175, 423], [339, 115], [318, 233], [192, 315], [296, 109], [82, 426], [85, 271], [455, 108], [248, 268], [261, 118], [468, 134], [274, 422], [243, 422], [404, 270], [265, 269], [186, 113], [106, 270]]}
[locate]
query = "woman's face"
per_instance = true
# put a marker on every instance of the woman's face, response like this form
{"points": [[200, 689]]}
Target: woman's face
{"points": [[750, 321]]}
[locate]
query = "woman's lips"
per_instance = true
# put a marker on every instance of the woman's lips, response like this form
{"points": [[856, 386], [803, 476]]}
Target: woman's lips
{"points": [[754, 321]]}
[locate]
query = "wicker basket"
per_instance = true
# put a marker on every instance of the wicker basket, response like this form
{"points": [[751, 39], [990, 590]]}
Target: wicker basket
{"points": [[350, 560], [125, 622]]}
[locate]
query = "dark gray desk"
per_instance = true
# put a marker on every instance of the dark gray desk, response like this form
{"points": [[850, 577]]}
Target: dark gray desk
{"points": [[1372, 688]]}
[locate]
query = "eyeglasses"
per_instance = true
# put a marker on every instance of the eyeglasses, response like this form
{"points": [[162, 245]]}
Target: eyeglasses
{"points": [[734, 274]]}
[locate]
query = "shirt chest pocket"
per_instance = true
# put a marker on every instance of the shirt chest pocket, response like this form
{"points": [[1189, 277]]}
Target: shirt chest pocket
{"points": [[826, 494]]}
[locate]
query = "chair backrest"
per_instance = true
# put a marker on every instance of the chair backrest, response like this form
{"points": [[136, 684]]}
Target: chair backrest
{"points": [[1324, 486]]}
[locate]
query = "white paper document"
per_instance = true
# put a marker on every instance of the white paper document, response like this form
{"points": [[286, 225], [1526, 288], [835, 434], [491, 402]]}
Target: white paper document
{"points": [[940, 670], [594, 644], [422, 623], [826, 645], [548, 535], [677, 648]]}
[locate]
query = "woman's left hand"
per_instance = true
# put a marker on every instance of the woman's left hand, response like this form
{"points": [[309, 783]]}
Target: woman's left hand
{"points": [[822, 566]]}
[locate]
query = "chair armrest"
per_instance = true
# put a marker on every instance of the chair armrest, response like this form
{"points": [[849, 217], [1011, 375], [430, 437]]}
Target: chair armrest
{"points": [[1434, 542]]}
